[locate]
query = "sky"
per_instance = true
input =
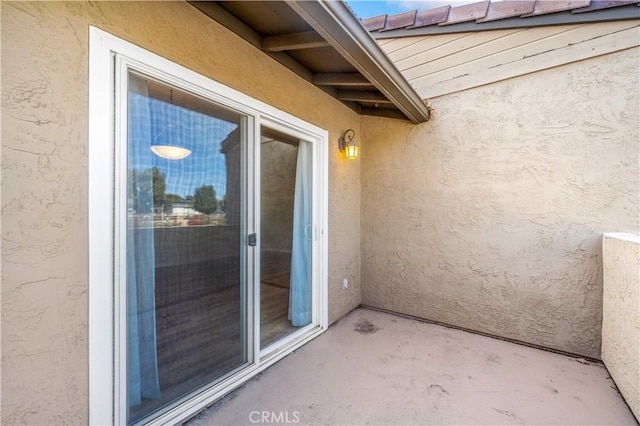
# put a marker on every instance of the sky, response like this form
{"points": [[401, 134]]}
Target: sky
{"points": [[370, 8]]}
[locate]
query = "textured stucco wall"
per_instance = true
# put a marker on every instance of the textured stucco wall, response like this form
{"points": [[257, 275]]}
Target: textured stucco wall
{"points": [[490, 216], [44, 179], [621, 314], [278, 162]]}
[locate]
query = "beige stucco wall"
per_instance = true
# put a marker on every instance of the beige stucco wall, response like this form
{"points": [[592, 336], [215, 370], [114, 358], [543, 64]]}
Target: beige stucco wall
{"points": [[278, 162], [621, 314], [44, 179], [490, 216]]}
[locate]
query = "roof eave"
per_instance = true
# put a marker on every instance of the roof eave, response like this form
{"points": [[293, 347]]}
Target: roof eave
{"points": [[336, 23]]}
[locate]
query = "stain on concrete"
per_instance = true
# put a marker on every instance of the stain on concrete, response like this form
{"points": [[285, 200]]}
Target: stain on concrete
{"points": [[439, 388], [552, 389], [493, 359], [364, 326], [510, 415]]}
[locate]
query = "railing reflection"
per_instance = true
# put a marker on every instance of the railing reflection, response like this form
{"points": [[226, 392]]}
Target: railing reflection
{"points": [[162, 220]]}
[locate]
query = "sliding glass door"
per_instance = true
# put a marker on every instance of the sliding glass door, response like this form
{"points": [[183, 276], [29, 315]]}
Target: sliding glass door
{"points": [[207, 224], [286, 193], [189, 243], [185, 275]]}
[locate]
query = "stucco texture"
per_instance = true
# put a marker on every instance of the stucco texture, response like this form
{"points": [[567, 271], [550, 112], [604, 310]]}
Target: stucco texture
{"points": [[44, 179], [278, 162], [621, 314], [490, 216]]}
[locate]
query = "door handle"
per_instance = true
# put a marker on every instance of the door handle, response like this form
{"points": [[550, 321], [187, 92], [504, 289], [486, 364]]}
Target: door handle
{"points": [[252, 239]]}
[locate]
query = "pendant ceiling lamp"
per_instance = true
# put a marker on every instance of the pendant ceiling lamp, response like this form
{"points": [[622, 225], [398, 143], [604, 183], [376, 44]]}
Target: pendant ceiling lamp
{"points": [[167, 144]]}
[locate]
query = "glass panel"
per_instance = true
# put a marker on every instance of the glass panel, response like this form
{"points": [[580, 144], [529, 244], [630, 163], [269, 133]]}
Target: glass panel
{"points": [[286, 232], [185, 307]]}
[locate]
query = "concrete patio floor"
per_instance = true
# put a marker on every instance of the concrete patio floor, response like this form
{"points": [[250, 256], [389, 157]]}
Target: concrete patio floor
{"points": [[376, 368]]}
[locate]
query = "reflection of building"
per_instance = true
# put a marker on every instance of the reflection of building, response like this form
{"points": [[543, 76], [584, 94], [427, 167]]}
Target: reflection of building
{"points": [[230, 147], [183, 208]]}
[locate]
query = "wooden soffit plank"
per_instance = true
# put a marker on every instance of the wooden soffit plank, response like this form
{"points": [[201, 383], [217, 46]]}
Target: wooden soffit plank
{"points": [[361, 96], [306, 40], [341, 79]]}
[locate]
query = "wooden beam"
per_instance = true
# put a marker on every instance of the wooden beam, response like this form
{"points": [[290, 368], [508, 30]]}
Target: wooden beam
{"points": [[388, 113], [357, 96], [220, 15], [306, 40], [341, 79]]}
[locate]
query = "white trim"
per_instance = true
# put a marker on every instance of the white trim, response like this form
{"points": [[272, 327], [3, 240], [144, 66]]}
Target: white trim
{"points": [[255, 276], [106, 150], [319, 140], [119, 194], [100, 162], [252, 273]]}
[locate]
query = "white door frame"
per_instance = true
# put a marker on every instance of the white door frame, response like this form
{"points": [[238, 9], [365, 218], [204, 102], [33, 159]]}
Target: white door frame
{"points": [[109, 59]]}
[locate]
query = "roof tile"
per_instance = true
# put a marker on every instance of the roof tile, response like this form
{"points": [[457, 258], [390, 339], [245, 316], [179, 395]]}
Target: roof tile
{"points": [[401, 20], [543, 7], [488, 11], [374, 24], [431, 16], [507, 9], [603, 4], [466, 13]]}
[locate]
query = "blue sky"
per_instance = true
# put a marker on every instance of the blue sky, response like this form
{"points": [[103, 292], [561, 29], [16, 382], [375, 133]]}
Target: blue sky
{"points": [[369, 8]]}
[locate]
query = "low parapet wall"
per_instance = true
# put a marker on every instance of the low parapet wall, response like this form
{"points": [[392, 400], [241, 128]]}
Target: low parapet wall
{"points": [[621, 314]]}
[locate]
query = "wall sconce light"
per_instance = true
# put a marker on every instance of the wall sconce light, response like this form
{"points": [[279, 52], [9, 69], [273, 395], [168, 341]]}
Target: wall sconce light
{"points": [[347, 145], [168, 145]]}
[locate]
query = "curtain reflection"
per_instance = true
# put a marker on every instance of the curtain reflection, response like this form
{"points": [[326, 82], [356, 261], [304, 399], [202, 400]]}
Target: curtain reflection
{"points": [[142, 356]]}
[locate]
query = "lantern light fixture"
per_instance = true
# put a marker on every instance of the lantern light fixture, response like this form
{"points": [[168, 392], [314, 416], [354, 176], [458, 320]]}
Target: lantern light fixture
{"points": [[347, 145]]}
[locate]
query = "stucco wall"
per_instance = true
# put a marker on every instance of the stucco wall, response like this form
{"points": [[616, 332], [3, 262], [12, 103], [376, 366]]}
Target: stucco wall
{"points": [[621, 314], [490, 216], [278, 161], [44, 179]]}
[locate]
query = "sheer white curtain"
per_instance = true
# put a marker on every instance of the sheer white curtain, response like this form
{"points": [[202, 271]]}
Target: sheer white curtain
{"points": [[300, 288], [142, 360]]}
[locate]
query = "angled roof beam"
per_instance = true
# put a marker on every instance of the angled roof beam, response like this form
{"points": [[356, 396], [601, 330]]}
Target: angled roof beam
{"points": [[306, 40], [335, 23], [232, 23], [341, 79], [359, 96]]}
